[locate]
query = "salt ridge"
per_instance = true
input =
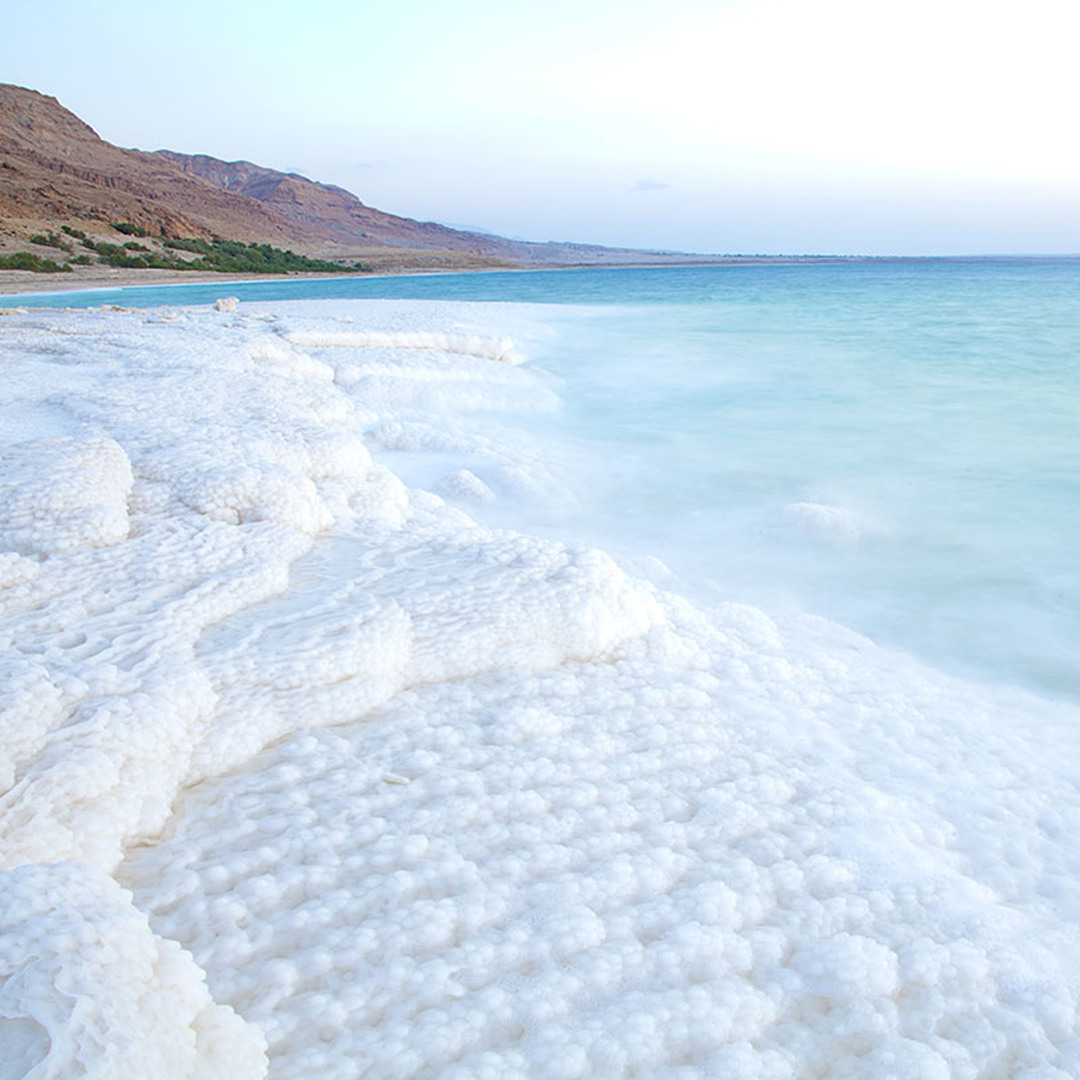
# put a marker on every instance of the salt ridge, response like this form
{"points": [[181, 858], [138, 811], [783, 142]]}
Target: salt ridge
{"points": [[417, 797]]}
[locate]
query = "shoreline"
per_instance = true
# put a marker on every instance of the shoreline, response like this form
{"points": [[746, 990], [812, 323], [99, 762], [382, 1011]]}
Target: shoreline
{"points": [[99, 279], [95, 280], [130, 279]]}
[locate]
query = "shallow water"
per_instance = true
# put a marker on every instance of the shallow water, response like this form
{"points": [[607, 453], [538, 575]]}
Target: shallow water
{"points": [[892, 447]]}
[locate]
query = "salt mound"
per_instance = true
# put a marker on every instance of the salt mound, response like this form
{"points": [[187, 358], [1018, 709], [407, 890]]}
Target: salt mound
{"points": [[465, 484], [58, 495], [241, 493]]}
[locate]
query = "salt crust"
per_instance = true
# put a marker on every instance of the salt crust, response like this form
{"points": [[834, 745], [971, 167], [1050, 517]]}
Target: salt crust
{"points": [[151, 640], [501, 349], [565, 825], [86, 982]]}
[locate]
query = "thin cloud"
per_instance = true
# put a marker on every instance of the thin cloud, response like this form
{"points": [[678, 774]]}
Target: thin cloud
{"points": [[648, 184]]}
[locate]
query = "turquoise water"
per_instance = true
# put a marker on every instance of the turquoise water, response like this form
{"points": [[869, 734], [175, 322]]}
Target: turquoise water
{"points": [[893, 445], [896, 448]]}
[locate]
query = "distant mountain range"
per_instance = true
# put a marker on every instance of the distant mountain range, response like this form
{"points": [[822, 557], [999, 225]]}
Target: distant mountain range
{"points": [[55, 170]]}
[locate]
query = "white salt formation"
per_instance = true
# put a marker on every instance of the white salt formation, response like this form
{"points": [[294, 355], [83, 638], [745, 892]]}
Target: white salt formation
{"points": [[501, 349], [307, 774], [829, 522], [87, 983]]}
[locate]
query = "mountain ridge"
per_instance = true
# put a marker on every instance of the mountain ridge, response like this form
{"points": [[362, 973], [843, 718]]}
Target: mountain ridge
{"points": [[55, 169]]}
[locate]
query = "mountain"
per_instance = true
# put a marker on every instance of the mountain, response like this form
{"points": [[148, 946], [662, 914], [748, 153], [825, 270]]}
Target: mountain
{"points": [[55, 169], [332, 212]]}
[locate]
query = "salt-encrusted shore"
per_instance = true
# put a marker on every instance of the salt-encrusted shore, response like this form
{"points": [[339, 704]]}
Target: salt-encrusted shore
{"points": [[307, 773]]}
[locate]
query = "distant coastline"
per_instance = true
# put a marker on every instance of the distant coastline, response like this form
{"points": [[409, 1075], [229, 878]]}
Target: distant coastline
{"points": [[20, 282], [15, 283]]}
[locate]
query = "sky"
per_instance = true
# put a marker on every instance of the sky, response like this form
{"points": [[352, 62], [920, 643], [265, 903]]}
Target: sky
{"points": [[734, 126]]}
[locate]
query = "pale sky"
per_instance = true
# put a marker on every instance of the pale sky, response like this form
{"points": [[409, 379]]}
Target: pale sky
{"points": [[779, 126]]}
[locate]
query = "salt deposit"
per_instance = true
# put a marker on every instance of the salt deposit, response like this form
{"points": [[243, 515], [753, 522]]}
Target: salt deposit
{"points": [[829, 522], [308, 773], [469, 345]]}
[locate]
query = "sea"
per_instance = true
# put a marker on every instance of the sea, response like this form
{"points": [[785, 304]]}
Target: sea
{"points": [[891, 444]]}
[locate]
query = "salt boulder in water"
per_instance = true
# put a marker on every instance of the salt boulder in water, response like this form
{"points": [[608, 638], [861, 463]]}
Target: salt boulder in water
{"points": [[466, 485]]}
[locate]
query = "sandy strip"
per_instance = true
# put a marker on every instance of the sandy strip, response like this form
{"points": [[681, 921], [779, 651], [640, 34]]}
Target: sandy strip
{"points": [[18, 282]]}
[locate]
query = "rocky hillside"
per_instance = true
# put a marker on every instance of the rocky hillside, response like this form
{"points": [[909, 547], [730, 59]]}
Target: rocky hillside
{"points": [[332, 212], [56, 170]]}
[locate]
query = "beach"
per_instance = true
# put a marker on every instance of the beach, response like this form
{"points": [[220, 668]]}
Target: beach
{"points": [[15, 282], [311, 771]]}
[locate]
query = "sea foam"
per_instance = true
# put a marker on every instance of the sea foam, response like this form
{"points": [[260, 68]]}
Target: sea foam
{"points": [[309, 773]]}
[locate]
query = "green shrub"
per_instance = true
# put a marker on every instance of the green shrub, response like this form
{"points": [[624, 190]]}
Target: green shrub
{"points": [[52, 240], [222, 256], [232, 256], [199, 247], [27, 260], [21, 260]]}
